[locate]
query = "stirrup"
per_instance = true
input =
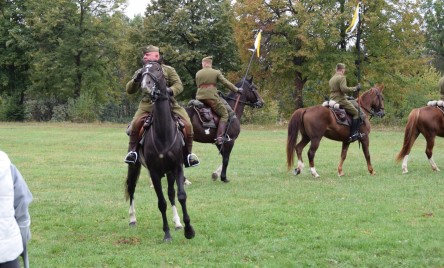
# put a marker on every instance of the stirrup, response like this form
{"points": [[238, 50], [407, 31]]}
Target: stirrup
{"points": [[131, 158], [356, 136], [192, 160]]}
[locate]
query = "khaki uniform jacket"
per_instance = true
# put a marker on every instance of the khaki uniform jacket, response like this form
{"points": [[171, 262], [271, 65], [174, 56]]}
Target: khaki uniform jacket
{"points": [[441, 87], [211, 76], [146, 105], [339, 89]]}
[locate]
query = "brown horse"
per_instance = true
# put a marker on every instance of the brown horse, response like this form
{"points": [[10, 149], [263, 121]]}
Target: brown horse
{"points": [[249, 97], [318, 121], [429, 121]]}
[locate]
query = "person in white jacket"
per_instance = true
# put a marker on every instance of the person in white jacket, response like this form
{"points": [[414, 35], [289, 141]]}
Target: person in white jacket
{"points": [[15, 220]]}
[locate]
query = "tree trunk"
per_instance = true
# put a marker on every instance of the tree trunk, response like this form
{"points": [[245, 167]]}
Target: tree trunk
{"points": [[299, 83]]}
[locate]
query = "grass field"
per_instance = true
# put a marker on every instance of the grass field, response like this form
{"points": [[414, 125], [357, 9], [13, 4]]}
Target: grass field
{"points": [[265, 217]]}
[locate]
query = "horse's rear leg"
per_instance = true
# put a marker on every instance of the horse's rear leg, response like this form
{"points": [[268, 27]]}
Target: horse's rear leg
{"points": [[226, 151], [429, 152], [172, 197], [131, 181], [314, 145], [344, 150], [182, 196], [162, 205], [298, 148]]}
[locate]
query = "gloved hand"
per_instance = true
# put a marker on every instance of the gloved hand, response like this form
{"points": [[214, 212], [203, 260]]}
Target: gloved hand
{"points": [[138, 78], [358, 87], [170, 91], [240, 90]]}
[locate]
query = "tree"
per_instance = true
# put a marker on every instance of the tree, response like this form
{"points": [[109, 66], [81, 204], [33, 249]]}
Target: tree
{"points": [[187, 31], [434, 26]]}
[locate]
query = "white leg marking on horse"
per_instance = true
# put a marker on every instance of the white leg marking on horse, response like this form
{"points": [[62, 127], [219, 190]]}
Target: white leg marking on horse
{"points": [[314, 173], [404, 164], [216, 173], [132, 213], [433, 164], [187, 182], [176, 218], [300, 165], [207, 131]]}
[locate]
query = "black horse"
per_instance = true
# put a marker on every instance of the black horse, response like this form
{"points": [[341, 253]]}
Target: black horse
{"points": [[161, 152], [249, 97]]}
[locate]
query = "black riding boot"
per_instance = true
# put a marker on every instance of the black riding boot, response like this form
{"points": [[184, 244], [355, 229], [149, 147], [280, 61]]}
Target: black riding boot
{"points": [[354, 130], [221, 132]]}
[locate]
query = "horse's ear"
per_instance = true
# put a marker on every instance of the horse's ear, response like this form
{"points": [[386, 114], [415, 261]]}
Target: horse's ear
{"points": [[250, 80], [381, 87]]}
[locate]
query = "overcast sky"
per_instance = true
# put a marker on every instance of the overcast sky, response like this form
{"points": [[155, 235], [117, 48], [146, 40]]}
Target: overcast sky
{"points": [[136, 7]]}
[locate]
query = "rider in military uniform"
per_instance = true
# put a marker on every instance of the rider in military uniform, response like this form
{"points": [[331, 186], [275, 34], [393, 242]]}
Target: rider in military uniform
{"points": [[338, 85], [206, 80], [441, 87], [175, 87]]}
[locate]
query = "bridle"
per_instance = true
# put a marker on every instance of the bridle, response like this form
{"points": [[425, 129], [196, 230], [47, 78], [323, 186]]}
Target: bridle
{"points": [[255, 104], [380, 112], [155, 93]]}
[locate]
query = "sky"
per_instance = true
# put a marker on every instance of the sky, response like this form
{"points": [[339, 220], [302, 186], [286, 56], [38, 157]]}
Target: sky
{"points": [[136, 7]]}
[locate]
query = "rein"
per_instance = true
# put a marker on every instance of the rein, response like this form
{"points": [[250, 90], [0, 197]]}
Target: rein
{"points": [[226, 97], [371, 111]]}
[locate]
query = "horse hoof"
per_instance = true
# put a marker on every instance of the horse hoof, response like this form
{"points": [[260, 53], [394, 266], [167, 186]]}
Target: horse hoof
{"points": [[167, 239], [225, 180], [296, 171], [189, 232], [177, 228], [214, 176], [187, 182], [132, 224], [340, 174]]}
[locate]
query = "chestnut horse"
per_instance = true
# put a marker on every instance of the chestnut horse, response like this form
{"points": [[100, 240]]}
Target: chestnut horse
{"points": [[249, 97], [161, 153], [318, 121], [429, 121]]}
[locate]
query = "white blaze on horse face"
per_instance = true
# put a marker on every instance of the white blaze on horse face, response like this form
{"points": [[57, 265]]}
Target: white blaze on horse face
{"points": [[404, 164], [433, 164]]}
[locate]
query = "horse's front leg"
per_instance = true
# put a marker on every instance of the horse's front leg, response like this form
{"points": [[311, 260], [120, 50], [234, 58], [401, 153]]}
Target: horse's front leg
{"points": [[227, 147], [344, 150], [161, 204], [172, 198], [365, 145], [311, 155], [182, 196], [131, 181]]}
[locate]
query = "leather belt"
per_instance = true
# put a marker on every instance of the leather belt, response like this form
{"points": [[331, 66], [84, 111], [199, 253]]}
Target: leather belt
{"points": [[207, 85]]}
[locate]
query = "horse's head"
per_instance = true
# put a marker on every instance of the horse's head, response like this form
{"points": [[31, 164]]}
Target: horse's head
{"points": [[373, 101], [250, 96], [153, 81]]}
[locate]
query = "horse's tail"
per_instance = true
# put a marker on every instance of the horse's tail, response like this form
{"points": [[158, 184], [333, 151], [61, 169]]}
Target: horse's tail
{"points": [[409, 134], [293, 129], [131, 181]]}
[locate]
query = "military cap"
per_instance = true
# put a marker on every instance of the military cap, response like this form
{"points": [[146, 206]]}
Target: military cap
{"points": [[340, 66], [209, 58], [150, 48]]}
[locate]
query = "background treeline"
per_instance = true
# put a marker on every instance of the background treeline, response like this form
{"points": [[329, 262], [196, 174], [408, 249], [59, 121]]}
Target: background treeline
{"points": [[69, 60]]}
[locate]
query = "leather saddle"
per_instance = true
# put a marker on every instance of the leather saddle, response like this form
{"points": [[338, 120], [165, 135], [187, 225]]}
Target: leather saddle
{"points": [[207, 117], [342, 117]]}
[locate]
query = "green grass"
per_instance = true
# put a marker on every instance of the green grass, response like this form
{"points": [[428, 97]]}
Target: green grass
{"points": [[265, 217]]}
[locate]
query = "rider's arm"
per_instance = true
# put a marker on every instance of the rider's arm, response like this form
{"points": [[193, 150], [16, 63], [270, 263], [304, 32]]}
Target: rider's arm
{"points": [[133, 86], [226, 83], [173, 79], [343, 86]]}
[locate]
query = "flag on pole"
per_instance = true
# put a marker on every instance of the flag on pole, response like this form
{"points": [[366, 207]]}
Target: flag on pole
{"points": [[257, 42], [354, 21]]}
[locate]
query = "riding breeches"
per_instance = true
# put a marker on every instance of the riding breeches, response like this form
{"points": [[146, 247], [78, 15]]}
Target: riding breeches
{"points": [[349, 108], [218, 107]]}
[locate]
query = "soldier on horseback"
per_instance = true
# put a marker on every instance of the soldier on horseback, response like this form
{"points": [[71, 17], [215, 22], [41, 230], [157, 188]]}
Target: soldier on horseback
{"points": [[175, 87], [206, 80], [338, 85]]}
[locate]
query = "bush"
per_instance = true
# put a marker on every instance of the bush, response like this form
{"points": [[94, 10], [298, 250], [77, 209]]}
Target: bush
{"points": [[84, 109], [12, 110]]}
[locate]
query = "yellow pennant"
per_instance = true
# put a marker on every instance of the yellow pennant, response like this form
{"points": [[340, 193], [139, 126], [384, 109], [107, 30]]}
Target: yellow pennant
{"points": [[355, 20], [257, 42]]}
